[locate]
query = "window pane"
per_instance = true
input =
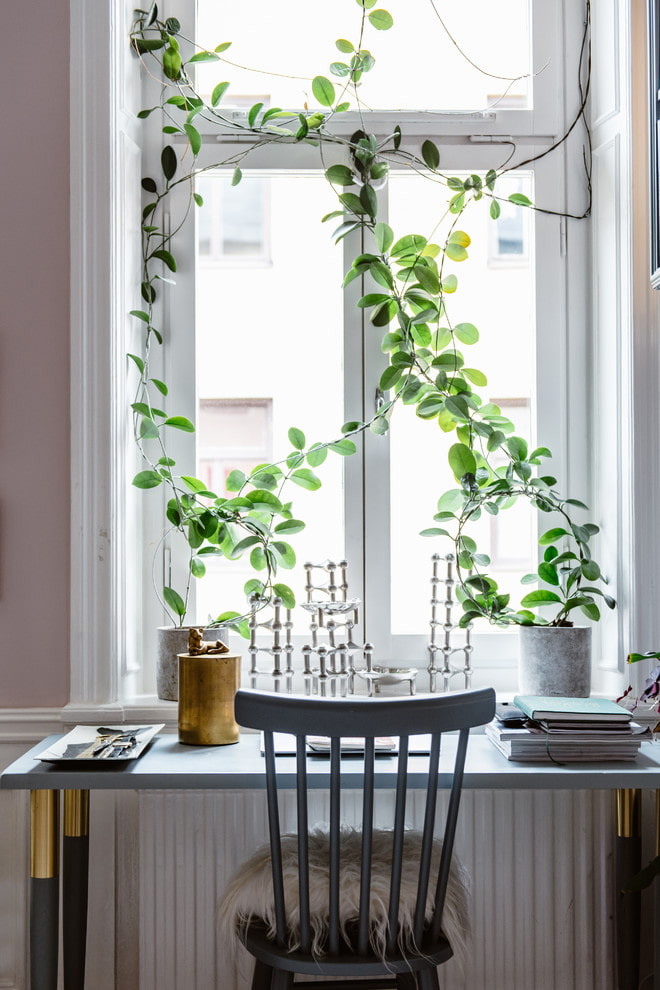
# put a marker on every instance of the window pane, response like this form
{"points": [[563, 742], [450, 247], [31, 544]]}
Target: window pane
{"points": [[265, 356], [500, 302], [285, 38]]}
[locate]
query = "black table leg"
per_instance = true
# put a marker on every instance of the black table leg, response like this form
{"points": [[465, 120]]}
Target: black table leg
{"points": [[75, 866], [628, 906], [44, 889]]}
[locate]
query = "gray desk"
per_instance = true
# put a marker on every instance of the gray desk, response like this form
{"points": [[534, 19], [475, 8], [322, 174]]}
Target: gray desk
{"points": [[167, 764]]}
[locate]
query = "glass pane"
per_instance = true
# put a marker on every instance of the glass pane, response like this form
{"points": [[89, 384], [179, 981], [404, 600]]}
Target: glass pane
{"points": [[500, 302], [264, 352], [417, 56]]}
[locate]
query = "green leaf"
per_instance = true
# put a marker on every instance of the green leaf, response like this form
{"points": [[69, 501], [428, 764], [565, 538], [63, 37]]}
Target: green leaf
{"points": [[552, 535], [166, 257], [168, 162], [237, 175], [379, 426], [548, 573], [235, 480], [258, 560], [197, 567], [306, 479], [461, 460], [204, 57], [389, 378], [194, 137], [467, 333], [345, 447], [495, 209], [194, 484], [174, 600], [141, 315], [590, 570], [475, 376], [520, 199], [455, 252], [253, 113], [290, 526], [369, 200], [340, 175], [344, 46], [138, 361], [381, 19], [223, 47], [218, 93], [540, 597], [180, 423], [384, 236], [296, 438], [284, 592], [435, 531], [317, 455], [410, 244], [428, 279], [323, 90], [517, 447], [147, 479], [591, 610], [431, 155], [161, 386]]}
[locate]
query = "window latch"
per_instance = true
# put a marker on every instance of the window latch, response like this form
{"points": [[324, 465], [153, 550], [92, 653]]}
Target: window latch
{"points": [[379, 399]]}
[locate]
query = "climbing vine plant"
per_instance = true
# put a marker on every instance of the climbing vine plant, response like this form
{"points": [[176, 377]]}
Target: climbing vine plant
{"points": [[408, 289]]}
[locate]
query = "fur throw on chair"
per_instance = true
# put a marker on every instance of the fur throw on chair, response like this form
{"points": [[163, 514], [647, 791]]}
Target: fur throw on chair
{"points": [[249, 895]]}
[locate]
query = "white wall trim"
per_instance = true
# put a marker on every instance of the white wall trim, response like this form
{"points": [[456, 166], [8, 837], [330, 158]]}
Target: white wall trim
{"points": [[94, 545], [28, 725]]}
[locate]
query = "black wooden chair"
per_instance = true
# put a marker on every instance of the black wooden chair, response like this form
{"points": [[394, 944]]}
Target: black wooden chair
{"points": [[348, 950]]}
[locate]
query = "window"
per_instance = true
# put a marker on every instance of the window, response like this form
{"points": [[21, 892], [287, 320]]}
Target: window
{"points": [[318, 362], [473, 135]]}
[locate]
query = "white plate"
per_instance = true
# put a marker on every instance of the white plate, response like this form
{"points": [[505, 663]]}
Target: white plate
{"points": [[84, 735]]}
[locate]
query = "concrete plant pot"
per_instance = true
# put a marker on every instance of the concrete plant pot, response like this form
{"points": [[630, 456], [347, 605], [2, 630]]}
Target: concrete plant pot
{"points": [[173, 640], [555, 661]]}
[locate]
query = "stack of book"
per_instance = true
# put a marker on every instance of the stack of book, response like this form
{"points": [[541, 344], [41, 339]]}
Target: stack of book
{"points": [[564, 730]]}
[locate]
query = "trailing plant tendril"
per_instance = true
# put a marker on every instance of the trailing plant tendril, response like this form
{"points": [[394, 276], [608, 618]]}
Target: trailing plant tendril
{"points": [[407, 287]]}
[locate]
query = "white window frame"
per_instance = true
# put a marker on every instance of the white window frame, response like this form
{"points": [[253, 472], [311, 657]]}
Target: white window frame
{"points": [[107, 663]]}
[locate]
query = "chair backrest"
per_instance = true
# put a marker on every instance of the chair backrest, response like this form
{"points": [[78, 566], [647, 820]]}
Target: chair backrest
{"points": [[369, 718]]}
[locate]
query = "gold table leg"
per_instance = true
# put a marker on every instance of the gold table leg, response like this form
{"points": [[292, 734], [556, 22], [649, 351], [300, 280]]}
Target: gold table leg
{"points": [[44, 889], [75, 869], [628, 863]]}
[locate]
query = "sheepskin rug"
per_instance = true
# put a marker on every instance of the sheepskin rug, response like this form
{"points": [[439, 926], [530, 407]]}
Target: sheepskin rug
{"points": [[249, 895]]}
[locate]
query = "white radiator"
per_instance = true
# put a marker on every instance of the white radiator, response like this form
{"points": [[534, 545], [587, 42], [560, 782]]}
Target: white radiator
{"points": [[542, 900]]}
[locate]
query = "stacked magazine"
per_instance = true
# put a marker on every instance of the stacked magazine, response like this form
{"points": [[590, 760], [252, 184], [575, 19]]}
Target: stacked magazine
{"points": [[564, 730]]}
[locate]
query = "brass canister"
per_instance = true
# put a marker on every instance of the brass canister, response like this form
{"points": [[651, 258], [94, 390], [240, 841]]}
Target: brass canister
{"points": [[207, 686]]}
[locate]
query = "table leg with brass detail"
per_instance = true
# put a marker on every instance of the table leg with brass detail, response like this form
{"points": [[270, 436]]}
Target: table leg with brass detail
{"points": [[656, 902], [628, 863], [75, 868], [44, 888]]}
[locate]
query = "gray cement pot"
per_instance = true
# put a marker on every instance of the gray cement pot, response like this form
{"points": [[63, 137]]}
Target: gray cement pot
{"points": [[555, 661], [173, 640]]}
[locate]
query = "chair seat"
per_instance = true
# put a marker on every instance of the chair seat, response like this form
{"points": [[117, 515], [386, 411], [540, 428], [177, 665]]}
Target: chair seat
{"points": [[256, 940], [247, 908]]}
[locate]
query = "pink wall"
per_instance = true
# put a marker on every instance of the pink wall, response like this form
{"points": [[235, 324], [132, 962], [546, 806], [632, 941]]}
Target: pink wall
{"points": [[34, 354]]}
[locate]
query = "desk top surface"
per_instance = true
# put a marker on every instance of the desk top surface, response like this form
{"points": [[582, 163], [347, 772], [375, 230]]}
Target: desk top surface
{"points": [[167, 764]]}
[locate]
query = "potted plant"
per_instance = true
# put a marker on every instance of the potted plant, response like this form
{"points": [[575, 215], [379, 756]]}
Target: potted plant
{"points": [[410, 282]]}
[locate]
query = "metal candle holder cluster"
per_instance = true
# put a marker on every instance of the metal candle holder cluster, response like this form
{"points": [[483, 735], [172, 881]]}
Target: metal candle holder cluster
{"points": [[329, 660], [447, 671], [276, 647], [333, 613]]}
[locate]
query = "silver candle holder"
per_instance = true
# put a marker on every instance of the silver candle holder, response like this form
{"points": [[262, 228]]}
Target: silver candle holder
{"points": [[447, 670]]}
